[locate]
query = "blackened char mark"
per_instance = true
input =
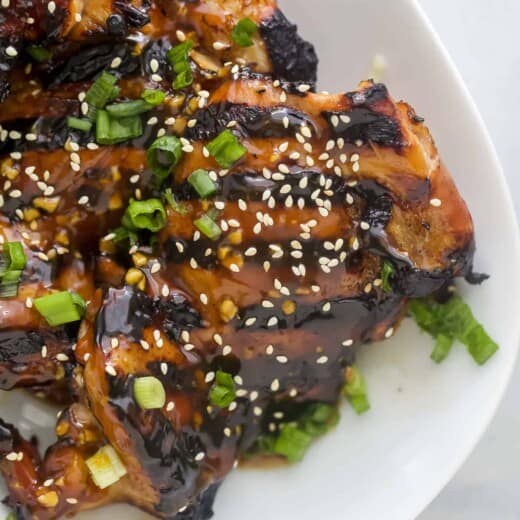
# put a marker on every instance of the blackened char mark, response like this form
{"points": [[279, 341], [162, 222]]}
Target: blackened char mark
{"points": [[125, 311], [87, 64], [134, 17], [418, 283], [253, 121], [177, 315], [202, 507], [366, 120], [166, 455], [378, 204], [292, 58], [5, 88], [158, 50]]}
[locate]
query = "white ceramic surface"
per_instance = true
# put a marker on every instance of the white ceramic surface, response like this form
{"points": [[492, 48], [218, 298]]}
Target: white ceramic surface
{"points": [[425, 419]]}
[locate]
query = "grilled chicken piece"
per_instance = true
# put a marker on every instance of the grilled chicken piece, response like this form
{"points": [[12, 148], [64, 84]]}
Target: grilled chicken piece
{"points": [[74, 205], [331, 187], [84, 38]]}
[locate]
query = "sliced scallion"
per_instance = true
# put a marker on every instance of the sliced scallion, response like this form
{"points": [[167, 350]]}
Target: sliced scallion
{"points": [[386, 273], [144, 214], [111, 130], [355, 390], [162, 156], [243, 31], [226, 149], [11, 269], [292, 442], [61, 308], [105, 467], [179, 58], [207, 226], [149, 393], [153, 97], [169, 197], [202, 183], [128, 108], [84, 125], [39, 54], [222, 393], [100, 93]]}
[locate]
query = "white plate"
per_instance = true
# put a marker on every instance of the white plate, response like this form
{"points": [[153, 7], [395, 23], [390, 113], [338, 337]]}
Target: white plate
{"points": [[425, 419]]}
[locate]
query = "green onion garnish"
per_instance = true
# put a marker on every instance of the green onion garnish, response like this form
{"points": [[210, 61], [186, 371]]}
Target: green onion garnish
{"points": [[292, 442], [208, 227], [179, 57], [128, 108], [100, 93], [105, 467], [295, 436], [153, 97], [243, 31], [149, 393], [111, 130], [79, 124], [387, 271], [222, 393], [39, 54], [226, 149], [61, 308], [355, 390], [202, 183], [11, 270], [144, 214], [452, 321], [169, 197], [162, 156]]}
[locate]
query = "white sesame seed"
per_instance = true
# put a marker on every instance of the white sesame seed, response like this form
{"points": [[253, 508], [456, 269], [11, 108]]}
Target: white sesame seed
{"points": [[326, 307], [436, 202], [347, 343], [220, 46], [110, 370], [257, 411], [116, 62], [269, 350], [62, 357], [210, 376], [282, 359], [44, 351], [170, 406], [389, 332], [11, 51], [82, 201], [164, 368], [322, 360], [12, 456], [275, 385], [71, 501], [226, 350], [189, 347], [200, 456], [250, 321]]}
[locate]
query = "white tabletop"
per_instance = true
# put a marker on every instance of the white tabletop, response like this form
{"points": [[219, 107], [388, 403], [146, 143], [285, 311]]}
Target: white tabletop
{"points": [[483, 38]]}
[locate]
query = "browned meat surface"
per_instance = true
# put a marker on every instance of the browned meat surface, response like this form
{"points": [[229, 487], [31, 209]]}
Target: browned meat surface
{"points": [[329, 188], [326, 191]]}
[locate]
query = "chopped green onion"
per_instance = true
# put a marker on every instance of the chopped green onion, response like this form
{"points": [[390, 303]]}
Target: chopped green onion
{"points": [[128, 108], [243, 31], [11, 516], [105, 467], [14, 256], [61, 308], [226, 149], [162, 156], [442, 348], [153, 97], [79, 124], [145, 214], [318, 419], [455, 321], [387, 272], [179, 57], [121, 234], [149, 393], [11, 270], [208, 227], [112, 131], [169, 197], [222, 393], [202, 183], [39, 54], [356, 391], [100, 93], [292, 442]]}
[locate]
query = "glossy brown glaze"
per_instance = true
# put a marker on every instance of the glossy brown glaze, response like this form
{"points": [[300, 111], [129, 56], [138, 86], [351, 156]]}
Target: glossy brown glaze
{"points": [[330, 187]]}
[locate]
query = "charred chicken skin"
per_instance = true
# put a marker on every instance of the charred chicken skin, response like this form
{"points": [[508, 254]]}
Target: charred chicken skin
{"points": [[273, 277]]}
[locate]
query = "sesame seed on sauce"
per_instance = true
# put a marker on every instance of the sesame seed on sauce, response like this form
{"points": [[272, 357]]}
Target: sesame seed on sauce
{"points": [[110, 370], [436, 203], [389, 332], [210, 376]]}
